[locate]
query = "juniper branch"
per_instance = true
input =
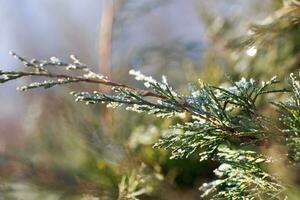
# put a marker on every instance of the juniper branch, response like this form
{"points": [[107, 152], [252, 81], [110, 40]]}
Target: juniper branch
{"points": [[224, 119], [209, 103]]}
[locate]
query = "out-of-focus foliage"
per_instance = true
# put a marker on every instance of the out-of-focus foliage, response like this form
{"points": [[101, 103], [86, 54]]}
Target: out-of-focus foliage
{"points": [[134, 185], [269, 44]]}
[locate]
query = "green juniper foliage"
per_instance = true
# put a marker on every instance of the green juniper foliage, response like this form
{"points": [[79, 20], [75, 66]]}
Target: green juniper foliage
{"points": [[225, 124]]}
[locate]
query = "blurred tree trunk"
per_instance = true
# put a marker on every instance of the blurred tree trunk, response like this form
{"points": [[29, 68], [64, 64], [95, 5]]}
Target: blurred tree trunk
{"points": [[109, 7], [105, 55], [105, 45]]}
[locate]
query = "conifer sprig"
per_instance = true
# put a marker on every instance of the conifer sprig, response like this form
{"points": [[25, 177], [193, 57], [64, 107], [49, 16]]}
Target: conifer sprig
{"points": [[41, 69]]}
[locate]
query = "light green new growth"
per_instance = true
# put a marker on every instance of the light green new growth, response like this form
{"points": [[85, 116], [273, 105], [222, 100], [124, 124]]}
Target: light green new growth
{"points": [[134, 185]]}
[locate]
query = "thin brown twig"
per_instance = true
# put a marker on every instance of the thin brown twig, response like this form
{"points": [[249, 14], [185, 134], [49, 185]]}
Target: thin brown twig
{"points": [[105, 82]]}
